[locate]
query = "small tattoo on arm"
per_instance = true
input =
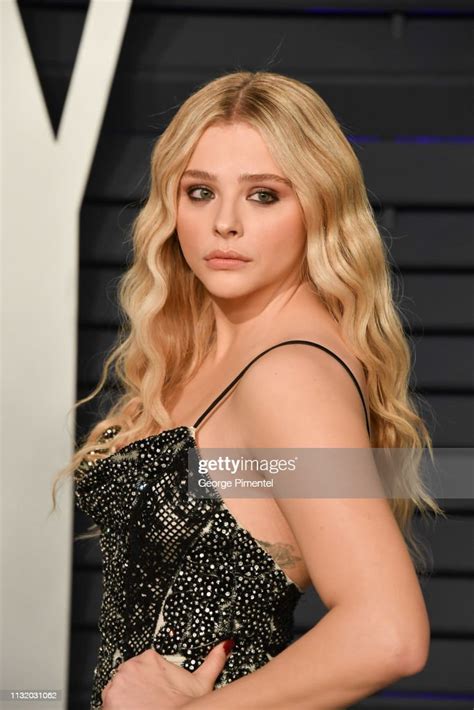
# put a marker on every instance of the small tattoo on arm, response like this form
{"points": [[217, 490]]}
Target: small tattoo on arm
{"points": [[281, 552]]}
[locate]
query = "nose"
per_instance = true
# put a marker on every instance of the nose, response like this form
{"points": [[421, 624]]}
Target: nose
{"points": [[222, 230], [226, 221]]}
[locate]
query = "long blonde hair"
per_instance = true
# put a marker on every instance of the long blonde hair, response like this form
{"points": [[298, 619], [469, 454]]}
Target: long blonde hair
{"points": [[345, 262]]}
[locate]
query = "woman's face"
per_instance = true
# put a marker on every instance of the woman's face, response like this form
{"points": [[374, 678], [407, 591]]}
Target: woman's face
{"points": [[230, 199]]}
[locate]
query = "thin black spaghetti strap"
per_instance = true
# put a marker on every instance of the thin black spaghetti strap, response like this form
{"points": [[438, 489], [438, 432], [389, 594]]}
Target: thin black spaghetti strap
{"points": [[285, 342]]}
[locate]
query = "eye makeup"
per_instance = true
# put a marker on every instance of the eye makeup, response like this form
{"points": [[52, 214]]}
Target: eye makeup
{"points": [[263, 191]]}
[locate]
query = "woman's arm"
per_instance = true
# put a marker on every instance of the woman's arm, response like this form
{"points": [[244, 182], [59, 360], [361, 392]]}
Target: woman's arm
{"points": [[335, 664], [376, 630]]}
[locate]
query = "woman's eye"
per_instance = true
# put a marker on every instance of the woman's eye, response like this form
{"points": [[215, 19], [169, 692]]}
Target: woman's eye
{"points": [[268, 197], [195, 189], [266, 194]]}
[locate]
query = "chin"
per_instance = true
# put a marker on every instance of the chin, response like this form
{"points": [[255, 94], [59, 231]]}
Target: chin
{"points": [[227, 294], [227, 291]]}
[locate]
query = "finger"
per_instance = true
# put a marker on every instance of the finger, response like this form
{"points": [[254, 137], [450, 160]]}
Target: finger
{"points": [[214, 662]]}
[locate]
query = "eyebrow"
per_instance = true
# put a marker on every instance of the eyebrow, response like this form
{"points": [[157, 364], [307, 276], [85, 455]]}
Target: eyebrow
{"points": [[244, 177]]}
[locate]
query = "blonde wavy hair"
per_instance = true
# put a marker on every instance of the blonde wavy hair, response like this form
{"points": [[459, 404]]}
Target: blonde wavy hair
{"points": [[346, 263]]}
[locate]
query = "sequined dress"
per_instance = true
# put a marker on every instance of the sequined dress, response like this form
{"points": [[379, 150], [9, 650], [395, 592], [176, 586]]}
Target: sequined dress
{"points": [[180, 574]]}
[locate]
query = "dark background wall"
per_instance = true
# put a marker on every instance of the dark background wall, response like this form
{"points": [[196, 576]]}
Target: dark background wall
{"points": [[399, 78]]}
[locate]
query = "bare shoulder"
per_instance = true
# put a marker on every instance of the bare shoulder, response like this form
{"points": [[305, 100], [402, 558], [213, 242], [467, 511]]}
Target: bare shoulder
{"points": [[299, 395]]}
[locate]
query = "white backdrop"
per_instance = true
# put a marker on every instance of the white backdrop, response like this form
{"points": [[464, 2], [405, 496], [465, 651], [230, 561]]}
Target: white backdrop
{"points": [[42, 187]]}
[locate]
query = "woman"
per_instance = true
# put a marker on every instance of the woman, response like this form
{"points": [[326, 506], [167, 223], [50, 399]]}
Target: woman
{"points": [[296, 343]]}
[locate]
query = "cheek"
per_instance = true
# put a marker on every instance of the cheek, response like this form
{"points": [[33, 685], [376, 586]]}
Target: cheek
{"points": [[188, 230], [183, 221], [284, 235]]}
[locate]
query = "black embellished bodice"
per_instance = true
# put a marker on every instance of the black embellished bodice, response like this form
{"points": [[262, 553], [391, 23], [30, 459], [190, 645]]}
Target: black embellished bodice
{"points": [[180, 574]]}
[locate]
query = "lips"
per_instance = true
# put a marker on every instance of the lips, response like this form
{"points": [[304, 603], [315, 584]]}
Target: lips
{"points": [[230, 254]]}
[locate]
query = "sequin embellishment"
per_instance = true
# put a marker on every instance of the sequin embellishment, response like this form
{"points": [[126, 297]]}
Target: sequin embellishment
{"points": [[179, 573]]}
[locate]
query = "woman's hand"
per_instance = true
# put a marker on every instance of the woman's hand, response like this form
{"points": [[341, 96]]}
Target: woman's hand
{"points": [[151, 682]]}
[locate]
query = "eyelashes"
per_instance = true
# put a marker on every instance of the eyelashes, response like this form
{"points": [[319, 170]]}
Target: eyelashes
{"points": [[266, 192]]}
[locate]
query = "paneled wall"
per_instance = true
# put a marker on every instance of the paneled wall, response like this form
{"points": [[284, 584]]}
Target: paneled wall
{"points": [[399, 78]]}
